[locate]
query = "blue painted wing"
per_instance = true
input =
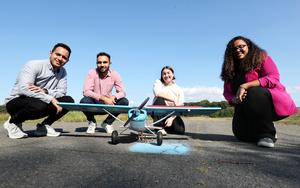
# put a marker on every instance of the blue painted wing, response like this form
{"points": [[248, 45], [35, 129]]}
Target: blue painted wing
{"points": [[95, 107], [181, 110]]}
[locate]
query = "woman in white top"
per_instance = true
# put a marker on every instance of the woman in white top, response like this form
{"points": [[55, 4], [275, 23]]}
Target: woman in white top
{"points": [[168, 93]]}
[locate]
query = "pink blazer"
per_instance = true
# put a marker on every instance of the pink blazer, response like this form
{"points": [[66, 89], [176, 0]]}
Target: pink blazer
{"points": [[269, 78]]}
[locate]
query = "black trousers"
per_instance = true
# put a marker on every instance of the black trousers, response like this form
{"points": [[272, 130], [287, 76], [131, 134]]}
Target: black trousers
{"points": [[109, 120], [253, 118], [27, 108], [177, 126]]}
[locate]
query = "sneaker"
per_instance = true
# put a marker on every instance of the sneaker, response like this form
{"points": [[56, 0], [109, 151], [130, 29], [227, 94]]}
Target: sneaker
{"points": [[92, 127], [108, 128], [266, 142], [14, 131], [46, 130], [163, 131]]}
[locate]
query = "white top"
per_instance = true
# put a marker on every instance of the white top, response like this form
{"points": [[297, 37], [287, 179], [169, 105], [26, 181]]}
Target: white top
{"points": [[173, 91]]}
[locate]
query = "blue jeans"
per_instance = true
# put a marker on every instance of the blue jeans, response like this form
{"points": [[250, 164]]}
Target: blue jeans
{"points": [[90, 115]]}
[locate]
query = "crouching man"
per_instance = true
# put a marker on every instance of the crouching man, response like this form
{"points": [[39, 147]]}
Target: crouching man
{"points": [[40, 86]]}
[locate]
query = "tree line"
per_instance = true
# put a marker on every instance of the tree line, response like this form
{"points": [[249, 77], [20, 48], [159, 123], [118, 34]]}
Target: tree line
{"points": [[2, 109], [226, 109]]}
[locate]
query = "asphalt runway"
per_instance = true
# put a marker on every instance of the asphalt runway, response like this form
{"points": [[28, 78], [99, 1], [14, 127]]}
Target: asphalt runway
{"points": [[207, 156]]}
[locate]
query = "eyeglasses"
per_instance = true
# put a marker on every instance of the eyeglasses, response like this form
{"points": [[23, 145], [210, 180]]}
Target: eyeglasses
{"points": [[239, 47], [104, 62]]}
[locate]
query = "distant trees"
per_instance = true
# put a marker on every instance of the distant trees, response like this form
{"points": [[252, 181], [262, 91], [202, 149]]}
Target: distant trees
{"points": [[227, 110], [2, 109]]}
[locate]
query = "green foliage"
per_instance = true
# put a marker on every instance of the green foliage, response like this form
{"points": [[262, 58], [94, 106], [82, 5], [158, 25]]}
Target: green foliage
{"points": [[227, 110], [2, 109], [294, 119]]}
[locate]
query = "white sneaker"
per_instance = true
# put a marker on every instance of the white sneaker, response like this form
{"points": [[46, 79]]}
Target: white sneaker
{"points": [[163, 131], [14, 131], [92, 127], [46, 130], [108, 128], [266, 142]]}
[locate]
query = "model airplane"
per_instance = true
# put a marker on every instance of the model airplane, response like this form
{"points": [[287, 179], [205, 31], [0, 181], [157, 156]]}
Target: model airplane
{"points": [[137, 116]]}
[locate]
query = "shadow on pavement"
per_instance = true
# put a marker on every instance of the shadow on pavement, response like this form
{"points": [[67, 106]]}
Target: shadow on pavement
{"points": [[211, 137]]}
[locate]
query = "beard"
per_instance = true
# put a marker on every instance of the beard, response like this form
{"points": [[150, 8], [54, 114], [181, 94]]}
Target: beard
{"points": [[102, 70]]}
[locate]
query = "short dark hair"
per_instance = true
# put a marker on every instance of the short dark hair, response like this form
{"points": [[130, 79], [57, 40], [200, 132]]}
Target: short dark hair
{"points": [[103, 54], [161, 72], [63, 46]]}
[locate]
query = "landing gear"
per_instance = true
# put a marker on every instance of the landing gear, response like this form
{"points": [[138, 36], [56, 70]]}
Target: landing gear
{"points": [[114, 137], [159, 138]]}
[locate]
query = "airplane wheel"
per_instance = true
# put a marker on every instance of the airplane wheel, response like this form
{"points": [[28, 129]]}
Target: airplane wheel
{"points": [[159, 138], [114, 137]]}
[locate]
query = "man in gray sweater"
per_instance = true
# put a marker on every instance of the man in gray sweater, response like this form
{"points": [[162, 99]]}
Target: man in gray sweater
{"points": [[40, 86]]}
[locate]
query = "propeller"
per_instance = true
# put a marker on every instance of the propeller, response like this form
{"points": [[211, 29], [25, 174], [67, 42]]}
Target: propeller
{"points": [[136, 111]]}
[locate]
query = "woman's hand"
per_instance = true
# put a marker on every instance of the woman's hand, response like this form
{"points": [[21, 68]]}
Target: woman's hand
{"points": [[169, 121], [240, 95]]}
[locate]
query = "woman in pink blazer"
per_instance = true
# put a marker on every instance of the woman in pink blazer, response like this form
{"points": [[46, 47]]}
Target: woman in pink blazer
{"points": [[252, 85]]}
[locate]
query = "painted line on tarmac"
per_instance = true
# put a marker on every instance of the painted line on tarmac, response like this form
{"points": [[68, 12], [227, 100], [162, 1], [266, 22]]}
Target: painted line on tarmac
{"points": [[165, 148]]}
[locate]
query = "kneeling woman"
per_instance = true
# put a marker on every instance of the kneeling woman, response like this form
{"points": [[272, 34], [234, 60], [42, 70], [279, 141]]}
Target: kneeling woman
{"points": [[168, 93], [252, 85]]}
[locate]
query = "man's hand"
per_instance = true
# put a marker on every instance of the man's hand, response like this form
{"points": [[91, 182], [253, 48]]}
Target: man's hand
{"points": [[37, 89], [55, 104], [109, 100]]}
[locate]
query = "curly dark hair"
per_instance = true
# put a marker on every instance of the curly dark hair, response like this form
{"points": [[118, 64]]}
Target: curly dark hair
{"points": [[253, 59]]}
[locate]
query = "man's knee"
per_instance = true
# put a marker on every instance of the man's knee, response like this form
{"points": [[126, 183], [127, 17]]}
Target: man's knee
{"points": [[87, 100], [123, 101], [66, 99], [38, 106]]}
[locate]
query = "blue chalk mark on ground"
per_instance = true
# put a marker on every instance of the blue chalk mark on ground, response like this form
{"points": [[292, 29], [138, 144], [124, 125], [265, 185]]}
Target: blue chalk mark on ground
{"points": [[165, 148]]}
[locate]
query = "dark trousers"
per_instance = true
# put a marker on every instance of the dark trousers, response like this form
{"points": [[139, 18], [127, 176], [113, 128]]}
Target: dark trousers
{"points": [[177, 126], [253, 118], [109, 120], [27, 108]]}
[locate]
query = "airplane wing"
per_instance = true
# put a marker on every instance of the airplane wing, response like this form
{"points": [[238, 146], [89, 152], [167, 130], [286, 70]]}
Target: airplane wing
{"points": [[151, 109], [180, 110], [95, 107]]}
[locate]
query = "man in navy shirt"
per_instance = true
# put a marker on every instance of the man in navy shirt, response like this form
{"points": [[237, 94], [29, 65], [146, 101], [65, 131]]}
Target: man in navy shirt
{"points": [[40, 85]]}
